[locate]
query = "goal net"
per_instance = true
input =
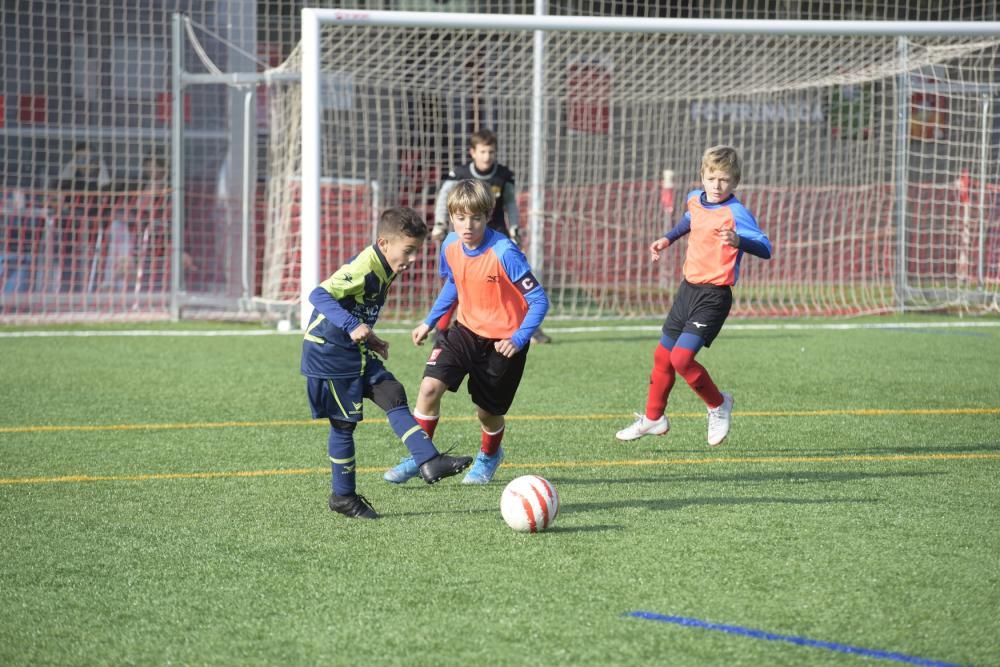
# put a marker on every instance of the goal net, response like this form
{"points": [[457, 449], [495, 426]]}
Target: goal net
{"points": [[870, 160]]}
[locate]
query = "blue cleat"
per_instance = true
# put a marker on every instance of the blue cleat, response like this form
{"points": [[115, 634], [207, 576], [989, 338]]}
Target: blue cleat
{"points": [[402, 473], [484, 468]]}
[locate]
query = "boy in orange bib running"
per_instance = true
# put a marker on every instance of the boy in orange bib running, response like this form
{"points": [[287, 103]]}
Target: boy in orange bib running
{"points": [[721, 230]]}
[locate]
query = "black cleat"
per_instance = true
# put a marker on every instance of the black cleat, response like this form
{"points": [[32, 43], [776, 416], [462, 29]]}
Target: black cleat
{"points": [[442, 466], [354, 506]]}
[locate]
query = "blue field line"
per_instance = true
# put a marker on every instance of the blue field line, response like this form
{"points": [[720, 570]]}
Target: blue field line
{"points": [[800, 641]]}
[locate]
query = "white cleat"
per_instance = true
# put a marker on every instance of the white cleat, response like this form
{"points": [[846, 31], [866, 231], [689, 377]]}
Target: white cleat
{"points": [[643, 426], [719, 419]]}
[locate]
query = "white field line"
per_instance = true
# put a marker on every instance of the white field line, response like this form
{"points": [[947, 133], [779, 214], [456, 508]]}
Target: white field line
{"points": [[739, 326]]}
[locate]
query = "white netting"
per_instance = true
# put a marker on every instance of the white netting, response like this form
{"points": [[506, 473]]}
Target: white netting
{"points": [[829, 167], [101, 74], [86, 159]]}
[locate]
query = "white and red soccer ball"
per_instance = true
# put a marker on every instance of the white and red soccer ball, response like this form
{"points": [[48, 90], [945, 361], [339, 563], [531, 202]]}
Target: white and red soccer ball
{"points": [[529, 504]]}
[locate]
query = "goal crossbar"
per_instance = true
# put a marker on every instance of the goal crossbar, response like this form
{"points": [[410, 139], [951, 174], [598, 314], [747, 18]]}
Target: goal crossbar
{"points": [[315, 19], [347, 17]]}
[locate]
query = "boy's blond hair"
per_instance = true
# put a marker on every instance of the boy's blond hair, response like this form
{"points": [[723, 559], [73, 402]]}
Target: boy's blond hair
{"points": [[470, 196], [723, 158]]}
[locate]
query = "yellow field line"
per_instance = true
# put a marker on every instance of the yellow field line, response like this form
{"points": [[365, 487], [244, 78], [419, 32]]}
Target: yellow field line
{"points": [[858, 412], [168, 475], [157, 427], [851, 458]]}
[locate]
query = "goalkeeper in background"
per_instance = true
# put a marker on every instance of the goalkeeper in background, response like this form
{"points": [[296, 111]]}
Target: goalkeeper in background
{"points": [[721, 230], [500, 180], [342, 360]]}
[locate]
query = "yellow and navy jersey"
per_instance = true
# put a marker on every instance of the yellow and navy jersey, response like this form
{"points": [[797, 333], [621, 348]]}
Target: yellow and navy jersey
{"points": [[353, 295], [498, 295], [709, 261]]}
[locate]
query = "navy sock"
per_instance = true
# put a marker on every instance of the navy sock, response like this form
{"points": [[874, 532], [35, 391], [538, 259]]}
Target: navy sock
{"points": [[406, 427], [341, 450]]}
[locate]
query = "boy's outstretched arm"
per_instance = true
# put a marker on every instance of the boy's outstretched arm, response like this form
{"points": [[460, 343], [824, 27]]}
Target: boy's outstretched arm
{"points": [[656, 246], [682, 227], [419, 333], [446, 298]]}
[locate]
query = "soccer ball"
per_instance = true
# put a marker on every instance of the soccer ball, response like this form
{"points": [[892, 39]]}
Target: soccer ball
{"points": [[529, 504]]}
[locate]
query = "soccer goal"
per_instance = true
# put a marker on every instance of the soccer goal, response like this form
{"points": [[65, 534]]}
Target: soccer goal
{"points": [[870, 150]]}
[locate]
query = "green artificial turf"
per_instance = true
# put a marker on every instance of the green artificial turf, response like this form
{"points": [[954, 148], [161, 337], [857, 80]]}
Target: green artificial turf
{"points": [[163, 501]]}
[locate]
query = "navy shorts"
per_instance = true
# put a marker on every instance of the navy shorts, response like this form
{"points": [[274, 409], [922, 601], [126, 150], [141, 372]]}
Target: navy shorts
{"points": [[341, 398], [700, 310], [493, 378]]}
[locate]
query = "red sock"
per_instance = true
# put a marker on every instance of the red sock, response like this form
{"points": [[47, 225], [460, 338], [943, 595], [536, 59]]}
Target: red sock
{"points": [[429, 424], [661, 381], [491, 441], [445, 320], [696, 376]]}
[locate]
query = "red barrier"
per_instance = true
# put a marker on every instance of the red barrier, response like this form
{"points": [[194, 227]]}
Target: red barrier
{"points": [[89, 253], [827, 241]]}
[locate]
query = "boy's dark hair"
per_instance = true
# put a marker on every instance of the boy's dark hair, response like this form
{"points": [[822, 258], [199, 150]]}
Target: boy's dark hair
{"points": [[470, 195], [401, 221], [482, 136]]}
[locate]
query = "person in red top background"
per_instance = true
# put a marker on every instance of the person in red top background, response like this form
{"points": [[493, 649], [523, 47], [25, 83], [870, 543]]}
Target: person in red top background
{"points": [[721, 230]]}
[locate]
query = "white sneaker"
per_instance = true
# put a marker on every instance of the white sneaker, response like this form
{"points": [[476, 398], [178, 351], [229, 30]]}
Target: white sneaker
{"points": [[643, 426], [719, 419]]}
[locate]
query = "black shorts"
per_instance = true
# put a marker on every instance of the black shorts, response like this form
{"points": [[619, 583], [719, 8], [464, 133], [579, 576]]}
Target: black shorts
{"points": [[493, 378], [700, 310]]}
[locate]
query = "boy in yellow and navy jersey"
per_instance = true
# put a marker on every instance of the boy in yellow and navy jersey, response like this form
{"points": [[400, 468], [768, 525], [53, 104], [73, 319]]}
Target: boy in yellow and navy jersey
{"points": [[501, 306], [342, 360], [721, 230]]}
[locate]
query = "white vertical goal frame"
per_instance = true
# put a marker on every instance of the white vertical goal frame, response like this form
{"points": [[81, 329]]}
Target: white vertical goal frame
{"points": [[315, 20], [309, 275]]}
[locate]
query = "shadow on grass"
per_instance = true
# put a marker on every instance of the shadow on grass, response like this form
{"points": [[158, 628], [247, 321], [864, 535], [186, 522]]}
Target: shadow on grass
{"points": [[669, 504], [650, 337], [653, 337], [658, 505], [964, 448], [753, 477], [600, 528]]}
